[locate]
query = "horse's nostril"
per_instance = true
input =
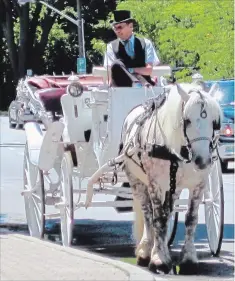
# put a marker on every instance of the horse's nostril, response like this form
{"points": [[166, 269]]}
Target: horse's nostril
{"points": [[198, 160], [201, 163]]}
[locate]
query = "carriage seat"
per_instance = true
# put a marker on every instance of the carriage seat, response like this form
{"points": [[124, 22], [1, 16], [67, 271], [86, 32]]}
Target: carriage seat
{"points": [[51, 88], [38, 82], [43, 82], [50, 97], [158, 71]]}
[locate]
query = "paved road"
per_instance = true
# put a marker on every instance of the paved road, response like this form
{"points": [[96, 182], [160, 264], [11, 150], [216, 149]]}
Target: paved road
{"points": [[102, 229]]}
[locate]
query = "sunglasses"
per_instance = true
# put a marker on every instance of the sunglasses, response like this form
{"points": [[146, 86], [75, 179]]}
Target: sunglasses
{"points": [[119, 27]]}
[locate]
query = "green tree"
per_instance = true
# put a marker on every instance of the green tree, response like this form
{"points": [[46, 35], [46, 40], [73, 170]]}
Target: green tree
{"points": [[189, 34], [34, 37]]}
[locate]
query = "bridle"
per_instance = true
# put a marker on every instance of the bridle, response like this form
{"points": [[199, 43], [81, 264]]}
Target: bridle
{"points": [[203, 114]]}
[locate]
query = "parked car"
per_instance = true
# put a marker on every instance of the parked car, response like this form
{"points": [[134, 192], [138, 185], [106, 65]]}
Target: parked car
{"points": [[13, 114], [226, 140], [18, 114]]}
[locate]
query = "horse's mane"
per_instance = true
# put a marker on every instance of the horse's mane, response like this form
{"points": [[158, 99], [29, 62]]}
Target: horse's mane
{"points": [[170, 115]]}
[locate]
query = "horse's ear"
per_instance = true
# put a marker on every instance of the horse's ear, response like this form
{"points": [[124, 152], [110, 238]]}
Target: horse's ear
{"points": [[214, 89], [183, 94]]}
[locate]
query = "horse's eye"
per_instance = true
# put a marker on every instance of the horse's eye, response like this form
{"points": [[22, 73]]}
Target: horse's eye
{"points": [[187, 122]]}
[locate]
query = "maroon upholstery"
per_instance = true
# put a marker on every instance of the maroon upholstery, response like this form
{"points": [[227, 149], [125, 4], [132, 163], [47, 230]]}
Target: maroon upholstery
{"points": [[51, 93], [43, 82], [38, 82], [51, 98], [51, 88]]}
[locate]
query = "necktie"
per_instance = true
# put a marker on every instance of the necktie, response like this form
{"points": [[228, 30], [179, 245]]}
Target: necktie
{"points": [[129, 48]]}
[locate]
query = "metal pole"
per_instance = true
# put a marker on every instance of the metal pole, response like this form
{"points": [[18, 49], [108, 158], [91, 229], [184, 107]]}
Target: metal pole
{"points": [[60, 13], [80, 35]]}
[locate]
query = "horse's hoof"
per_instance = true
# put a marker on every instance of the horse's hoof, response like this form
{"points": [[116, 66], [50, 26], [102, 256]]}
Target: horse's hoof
{"points": [[160, 268], [188, 268], [144, 262]]}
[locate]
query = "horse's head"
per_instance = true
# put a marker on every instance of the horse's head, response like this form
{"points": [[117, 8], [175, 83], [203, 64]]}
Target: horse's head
{"points": [[201, 117]]}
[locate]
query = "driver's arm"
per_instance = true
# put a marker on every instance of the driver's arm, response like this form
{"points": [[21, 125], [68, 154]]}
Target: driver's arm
{"points": [[151, 59], [109, 56], [147, 70]]}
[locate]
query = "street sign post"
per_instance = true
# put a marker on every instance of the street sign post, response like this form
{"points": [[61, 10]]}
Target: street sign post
{"points": [[29, 72], [81, 65]]}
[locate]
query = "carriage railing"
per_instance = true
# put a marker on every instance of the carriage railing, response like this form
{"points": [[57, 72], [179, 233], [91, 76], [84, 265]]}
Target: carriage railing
{"points": [[37, 107]]}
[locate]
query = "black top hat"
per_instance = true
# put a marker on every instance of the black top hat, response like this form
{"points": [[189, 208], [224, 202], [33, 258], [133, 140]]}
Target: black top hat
{"points": [[121, 16]]}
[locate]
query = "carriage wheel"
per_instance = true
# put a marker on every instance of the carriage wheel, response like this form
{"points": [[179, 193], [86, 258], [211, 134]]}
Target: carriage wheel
{"points": [[34, 197], [214, 208], [172, 228], [67, 209]]}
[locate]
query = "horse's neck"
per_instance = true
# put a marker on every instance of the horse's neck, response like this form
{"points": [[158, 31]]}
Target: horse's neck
{"points": [[169, 117]]}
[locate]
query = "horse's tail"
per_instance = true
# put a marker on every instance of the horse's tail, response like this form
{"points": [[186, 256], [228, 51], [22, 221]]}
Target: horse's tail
{"points": [[138, 220]]}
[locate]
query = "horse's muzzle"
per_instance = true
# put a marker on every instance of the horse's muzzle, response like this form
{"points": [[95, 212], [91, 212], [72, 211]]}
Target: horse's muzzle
{"points": [[202, 163]]}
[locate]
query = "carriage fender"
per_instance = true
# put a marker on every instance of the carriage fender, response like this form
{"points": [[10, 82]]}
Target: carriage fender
{"points": [[34, 138], [50, 148]]}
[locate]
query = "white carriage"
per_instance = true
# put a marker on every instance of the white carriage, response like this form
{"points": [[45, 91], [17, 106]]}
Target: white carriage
{"points": [[79, 146]]}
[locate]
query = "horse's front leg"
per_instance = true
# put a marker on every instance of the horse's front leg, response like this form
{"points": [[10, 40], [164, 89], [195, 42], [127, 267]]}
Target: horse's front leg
{"points": [[189, 261], [160, 256], [143, 213]]}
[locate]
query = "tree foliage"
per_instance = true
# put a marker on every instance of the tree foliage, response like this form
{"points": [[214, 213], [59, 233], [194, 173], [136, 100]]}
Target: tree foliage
{"points": [[187, 34], [34, 37]]}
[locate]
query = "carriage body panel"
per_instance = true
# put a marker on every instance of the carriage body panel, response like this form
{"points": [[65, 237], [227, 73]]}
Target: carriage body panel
{"points": [[116, 104], [77, 117]]}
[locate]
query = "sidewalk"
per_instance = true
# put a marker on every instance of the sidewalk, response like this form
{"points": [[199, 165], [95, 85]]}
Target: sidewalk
{"points": [[26, 258]]}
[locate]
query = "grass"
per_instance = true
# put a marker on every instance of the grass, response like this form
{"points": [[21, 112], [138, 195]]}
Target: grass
{"points": [[129, 260], [133, 262]]}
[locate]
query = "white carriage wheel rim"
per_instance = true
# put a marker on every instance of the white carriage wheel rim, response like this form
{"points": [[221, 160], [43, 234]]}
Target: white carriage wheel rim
{"points": [[214, 211], [67, 211], [35, 201]]}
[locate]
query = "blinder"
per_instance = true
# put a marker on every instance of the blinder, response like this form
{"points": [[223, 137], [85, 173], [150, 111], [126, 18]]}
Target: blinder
{"points": [[216, 125]]}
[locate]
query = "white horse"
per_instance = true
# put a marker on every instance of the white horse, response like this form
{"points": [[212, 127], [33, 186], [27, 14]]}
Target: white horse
{"points": [[175, 143]]}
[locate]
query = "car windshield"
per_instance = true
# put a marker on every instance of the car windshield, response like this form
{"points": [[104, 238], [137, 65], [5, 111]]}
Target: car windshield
{"points": [[226, 96]]}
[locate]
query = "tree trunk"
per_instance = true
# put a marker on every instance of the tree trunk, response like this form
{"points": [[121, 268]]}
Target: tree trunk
{"points": [[7, 26], [40, 47], [24, 28]]}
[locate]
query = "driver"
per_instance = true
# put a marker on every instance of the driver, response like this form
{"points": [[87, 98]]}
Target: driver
{"points": [[130, 59]]}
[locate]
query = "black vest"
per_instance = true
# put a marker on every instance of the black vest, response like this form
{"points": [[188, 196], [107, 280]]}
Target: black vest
{"points": [[137, 61]]}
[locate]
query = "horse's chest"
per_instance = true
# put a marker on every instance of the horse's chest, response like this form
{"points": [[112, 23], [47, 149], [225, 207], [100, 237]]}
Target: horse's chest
{"points": [[158, 171], [189, 176]]}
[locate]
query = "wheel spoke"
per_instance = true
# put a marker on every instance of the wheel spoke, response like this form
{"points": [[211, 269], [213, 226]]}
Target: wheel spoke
{"points": [[34, 200], [37, 213], [66, 198], [38, 197], [36, 204], [214, 209]]}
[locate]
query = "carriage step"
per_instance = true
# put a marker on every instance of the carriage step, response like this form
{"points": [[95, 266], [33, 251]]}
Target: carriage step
{"points": [[180, 208], [52, 216], [51, 201], [114, 204]]}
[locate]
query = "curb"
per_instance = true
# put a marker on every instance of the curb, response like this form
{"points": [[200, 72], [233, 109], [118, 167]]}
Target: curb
{"points": [[133, 272]]}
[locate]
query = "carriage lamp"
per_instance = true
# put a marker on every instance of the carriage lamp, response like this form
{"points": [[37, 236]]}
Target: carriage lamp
{"points": [[227, 130], [75, 89]]}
